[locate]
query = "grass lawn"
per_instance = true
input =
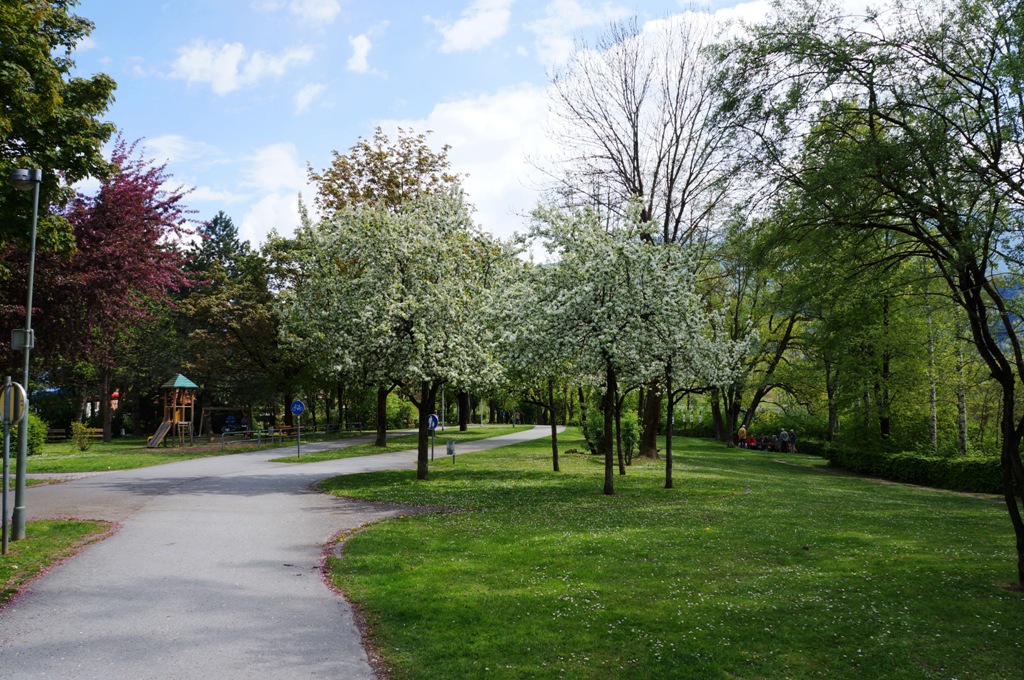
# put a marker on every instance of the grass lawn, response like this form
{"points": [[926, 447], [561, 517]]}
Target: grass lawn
{"points": [[749, 568], [404, 443], [47, 542], [127, 453]]}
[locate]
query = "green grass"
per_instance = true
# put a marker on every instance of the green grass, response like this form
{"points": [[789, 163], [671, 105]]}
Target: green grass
{"points": [[125, 453], [404, 443], [749, 568], [128, 453], [46, 542]]}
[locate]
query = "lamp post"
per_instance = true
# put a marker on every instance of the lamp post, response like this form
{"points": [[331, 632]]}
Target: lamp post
{"points": [[24, 340]]}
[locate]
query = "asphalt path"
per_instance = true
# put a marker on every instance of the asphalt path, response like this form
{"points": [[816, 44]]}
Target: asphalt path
{"points": [[214, 573]]}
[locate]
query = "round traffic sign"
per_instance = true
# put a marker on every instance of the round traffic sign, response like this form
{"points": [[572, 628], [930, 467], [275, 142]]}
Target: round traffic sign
{"points": [[12, 403], [298, 408], [432, 422]]}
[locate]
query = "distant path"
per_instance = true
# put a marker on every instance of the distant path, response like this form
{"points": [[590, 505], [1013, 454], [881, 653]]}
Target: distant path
{"points": [[214, 574]]}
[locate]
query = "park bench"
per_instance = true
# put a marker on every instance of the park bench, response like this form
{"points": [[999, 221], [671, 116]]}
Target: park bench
{"points": [[56, 434]]}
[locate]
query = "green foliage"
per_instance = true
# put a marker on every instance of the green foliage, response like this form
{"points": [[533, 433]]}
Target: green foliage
{"points": [[48, 119], [974, 474], [80, 438], [400, 412], [37, 428], [593, 429], [383, 174]]}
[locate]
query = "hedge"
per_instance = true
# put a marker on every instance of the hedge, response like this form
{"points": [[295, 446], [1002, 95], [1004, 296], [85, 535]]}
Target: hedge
{"points": [[973, 474]]}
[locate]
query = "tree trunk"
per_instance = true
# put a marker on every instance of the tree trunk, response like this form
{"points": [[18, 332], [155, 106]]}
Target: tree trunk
{"points": [[651, 418], [106, 416], [288, 420], [426, 405], [618, 437], [463, 399], [961, 403], [668, 426], [1013, 473], [583, 407], [716, 415], [382, 416], [554, 426], [609, 416], [492, 412]]}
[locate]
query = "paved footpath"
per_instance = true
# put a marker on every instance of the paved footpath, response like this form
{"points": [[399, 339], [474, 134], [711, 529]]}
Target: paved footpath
{"points": [[215, 573]]}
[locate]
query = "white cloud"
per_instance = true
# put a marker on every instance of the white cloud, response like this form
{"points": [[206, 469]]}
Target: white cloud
{"points": [[175, 148], [203, 193], [275, 168], [274, 212], [307, 95], [492, 136], [85, 43], [320, 11], [480, 24], [554, 41], [228, 66], [360, 49], [276, 173]]}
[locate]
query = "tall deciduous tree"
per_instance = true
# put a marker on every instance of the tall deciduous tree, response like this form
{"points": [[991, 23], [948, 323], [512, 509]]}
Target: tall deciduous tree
{"points": [[399, 297], [638, 122], [125, 262], [618, 305], [911, 128], [48, 119], [385, 175]]}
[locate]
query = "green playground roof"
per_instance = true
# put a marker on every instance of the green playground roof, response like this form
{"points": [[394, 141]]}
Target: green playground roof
{"points": [[179, 381]]}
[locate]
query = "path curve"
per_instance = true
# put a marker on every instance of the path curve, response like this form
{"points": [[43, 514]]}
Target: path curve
{"points": [[215, 572]]}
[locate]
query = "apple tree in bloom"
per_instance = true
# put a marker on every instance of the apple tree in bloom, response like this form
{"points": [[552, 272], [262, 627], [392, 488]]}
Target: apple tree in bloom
{"points": [[618, 306], [399, 298]]}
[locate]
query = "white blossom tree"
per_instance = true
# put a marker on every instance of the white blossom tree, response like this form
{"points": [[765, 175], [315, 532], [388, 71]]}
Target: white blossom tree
{"points": [[399, 297], [615, 304]]}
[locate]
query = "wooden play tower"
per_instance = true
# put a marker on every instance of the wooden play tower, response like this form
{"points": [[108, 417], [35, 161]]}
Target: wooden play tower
{"points": [[179, 410]]}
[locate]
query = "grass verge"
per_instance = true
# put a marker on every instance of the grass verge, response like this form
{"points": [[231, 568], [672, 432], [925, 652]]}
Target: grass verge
{"points": [[749, 568], [47, 542], [128, 453], [404, 443]]}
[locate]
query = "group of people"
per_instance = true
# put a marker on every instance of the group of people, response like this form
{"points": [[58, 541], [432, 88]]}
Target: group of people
{"points": [[783, 442]]}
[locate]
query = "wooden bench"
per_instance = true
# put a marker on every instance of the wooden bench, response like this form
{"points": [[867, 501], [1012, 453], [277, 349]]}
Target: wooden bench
{"points": [[56, 434]]}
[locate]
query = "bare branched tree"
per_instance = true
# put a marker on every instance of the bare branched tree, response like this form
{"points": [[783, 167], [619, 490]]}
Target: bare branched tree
{"points": [[636, 116]]}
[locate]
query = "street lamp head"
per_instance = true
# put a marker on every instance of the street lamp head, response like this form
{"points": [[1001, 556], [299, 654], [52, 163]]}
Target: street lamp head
{"points": [[25, 179]]}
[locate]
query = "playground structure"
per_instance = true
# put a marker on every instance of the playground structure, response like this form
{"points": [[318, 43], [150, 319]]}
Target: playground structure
{"points": [[179, 396]]}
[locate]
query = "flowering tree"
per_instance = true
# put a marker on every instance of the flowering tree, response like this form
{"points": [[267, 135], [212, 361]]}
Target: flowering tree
{"points": [[618, 305], [398, 297]]}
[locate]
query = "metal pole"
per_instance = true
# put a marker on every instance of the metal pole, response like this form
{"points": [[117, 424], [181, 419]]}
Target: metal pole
{"points": [[7, 460], [18, 519]]}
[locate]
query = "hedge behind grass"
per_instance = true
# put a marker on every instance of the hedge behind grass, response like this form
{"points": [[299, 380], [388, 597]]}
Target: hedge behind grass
{"points": [[974, 474]]}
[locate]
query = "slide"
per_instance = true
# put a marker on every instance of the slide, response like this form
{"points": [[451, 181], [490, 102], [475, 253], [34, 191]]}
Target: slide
{"points": [[161, 432]]}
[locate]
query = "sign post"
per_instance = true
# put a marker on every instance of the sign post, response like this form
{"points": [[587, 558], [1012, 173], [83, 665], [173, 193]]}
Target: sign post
{"points": [[451, 451], [432, 426], [12, 410], [298, 408]]}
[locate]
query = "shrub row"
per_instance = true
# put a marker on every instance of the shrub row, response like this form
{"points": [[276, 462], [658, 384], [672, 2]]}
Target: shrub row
{"points": [[974, 474]]}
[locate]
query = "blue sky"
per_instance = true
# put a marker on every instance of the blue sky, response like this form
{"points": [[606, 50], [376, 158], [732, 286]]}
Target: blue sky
{"points": [[237, 96]]}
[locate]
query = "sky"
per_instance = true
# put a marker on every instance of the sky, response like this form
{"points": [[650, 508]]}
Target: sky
{"points": [[238, 96]]}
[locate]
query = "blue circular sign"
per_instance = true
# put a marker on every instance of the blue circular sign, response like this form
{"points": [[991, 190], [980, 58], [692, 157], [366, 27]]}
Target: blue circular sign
{"points": [[298, 408], [432, 422]]}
